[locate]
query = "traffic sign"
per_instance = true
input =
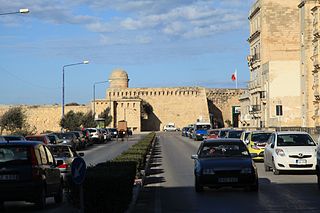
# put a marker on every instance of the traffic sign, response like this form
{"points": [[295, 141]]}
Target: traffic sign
{"points": [[78, 170]]}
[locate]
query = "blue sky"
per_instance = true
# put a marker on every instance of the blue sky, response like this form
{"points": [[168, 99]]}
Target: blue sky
{"points": [[160, 43]]}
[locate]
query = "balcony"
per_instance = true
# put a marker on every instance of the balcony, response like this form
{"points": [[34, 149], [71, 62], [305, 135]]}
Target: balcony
{"points": [[255, 108]]}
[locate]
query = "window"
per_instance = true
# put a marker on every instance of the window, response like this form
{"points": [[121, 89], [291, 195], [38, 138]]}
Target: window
{"points": [[43, 155], [279, 110], [50, 158]]}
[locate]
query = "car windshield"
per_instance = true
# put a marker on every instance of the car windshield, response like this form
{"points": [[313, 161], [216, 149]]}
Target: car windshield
{"points": [[14, 154], [213, 150], [234, 134], [60, 151], [203, 126], [295, 140], [260, 137]]}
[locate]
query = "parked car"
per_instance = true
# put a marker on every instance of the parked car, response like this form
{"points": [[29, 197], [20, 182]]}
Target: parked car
{"points": [[114, 132], [14, 138], [257, 140], [42, 138], [86, 133], [184, 131], [234, 133], [69, 138], [29, 173], [170, 127], [81, 138], [64, 156], [106, 134], [53, 138], [224, 162], [96, 135], [290, 150]]}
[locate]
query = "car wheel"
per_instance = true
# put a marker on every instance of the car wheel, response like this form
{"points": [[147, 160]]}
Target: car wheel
{"points": [[41, 200], [266, 168], [198, 187], [58, 198], [275, 170]]}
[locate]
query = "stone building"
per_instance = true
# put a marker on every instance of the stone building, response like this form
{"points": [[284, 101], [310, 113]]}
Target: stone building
{"points": [[179, 105], [274, 64]]}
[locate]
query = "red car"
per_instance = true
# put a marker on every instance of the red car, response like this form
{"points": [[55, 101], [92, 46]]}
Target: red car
{"points": [[213, 133]]}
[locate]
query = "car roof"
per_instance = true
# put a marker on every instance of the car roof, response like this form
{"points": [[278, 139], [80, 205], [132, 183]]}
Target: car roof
{"points": [[290, 132], [30, 143], [223, 140]]}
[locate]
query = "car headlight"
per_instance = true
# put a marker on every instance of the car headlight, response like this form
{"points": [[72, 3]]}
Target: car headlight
{"points": [[208, 172], [198, 134], [280, 152], [246, 171]]}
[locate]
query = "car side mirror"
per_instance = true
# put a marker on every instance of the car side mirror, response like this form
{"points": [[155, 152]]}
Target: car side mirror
{"points": [[81, 154], [272, 146], [194, 157], [59, 162]]}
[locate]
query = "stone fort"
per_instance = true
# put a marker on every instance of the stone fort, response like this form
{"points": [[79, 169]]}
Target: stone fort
{"points": [[179, 105]]}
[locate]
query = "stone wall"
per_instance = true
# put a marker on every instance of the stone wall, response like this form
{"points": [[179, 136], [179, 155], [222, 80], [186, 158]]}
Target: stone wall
{"points": [[45, 117]]}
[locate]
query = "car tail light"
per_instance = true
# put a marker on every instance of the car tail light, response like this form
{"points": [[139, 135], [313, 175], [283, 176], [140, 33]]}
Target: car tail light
{"points": [[63, 166], [36, 175]]}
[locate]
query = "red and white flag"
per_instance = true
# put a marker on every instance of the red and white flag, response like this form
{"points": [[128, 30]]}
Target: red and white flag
{"points": [[234, 76]]}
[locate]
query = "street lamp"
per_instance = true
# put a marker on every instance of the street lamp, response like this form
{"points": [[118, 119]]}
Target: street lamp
{"points": [[22, 11], [94, 95], [68, 65]]}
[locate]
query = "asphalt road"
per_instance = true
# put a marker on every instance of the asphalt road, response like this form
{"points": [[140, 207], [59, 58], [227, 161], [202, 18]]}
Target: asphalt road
{"points": [[92, 155], [170, 186]]}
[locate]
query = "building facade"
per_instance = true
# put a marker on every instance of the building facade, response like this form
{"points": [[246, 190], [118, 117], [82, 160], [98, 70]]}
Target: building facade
{"points": [[274, 90]]}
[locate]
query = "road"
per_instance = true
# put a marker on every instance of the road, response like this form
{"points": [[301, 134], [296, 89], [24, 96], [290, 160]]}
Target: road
{"points": [[170, 186], [92, 155]]}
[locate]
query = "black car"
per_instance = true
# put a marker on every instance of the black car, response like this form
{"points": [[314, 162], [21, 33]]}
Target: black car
{"points": [[28, 173], [13, 138], [224, 162], [114, 132]]}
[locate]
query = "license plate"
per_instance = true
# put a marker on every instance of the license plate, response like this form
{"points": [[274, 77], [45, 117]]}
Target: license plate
{"points": [[301, 161], [228, 180], [8, 177]]}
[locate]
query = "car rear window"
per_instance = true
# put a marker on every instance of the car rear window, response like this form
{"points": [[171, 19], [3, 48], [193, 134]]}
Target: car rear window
{"points": [[234, 134], [260, 137], [213, 150], [14, 154], [60, 151], [92, 130]]}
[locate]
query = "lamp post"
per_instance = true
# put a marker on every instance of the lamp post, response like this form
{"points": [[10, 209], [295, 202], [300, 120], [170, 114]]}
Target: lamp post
{"points": [[94, 95], [68, 65], [22, 11]]}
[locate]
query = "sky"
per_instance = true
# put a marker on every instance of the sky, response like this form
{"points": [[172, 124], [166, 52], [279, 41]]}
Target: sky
{"points": [[160, 43]]}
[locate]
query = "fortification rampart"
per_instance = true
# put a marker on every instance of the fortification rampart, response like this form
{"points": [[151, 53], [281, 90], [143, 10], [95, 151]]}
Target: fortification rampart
{"points": [[45, 117]]}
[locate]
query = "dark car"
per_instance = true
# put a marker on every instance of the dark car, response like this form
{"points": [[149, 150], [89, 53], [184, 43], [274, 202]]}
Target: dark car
{"points": [[81, 138], [13, 138], [114, 132], [69, 138], [42, 138], [28, 173], [224, 162], [53, 138], [234, 134], [184, 131], [64, 156]]}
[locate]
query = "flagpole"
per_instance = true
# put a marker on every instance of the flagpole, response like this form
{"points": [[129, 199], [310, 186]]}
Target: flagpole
{"points": [[236, 79]]}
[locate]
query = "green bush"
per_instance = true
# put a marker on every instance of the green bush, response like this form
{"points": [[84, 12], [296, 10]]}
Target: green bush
{"points": [[108, 186]]}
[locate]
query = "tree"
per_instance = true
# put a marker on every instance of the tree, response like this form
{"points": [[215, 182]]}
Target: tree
{"points": [[72, 121], [88, 120], [105, 115], [15, 121]]}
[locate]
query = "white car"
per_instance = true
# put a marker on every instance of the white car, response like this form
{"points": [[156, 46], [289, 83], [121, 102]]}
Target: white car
{"points": [[169, 127], [290, 151]]}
